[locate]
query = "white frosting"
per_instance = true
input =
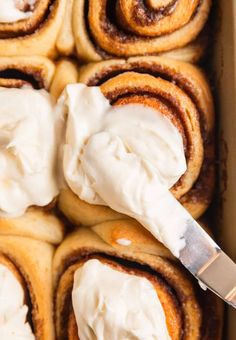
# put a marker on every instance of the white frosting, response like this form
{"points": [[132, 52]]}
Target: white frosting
{"points": [[13, 311], [27, 150], [109, 304], [123, 242], [125, 157], [9, 11]]}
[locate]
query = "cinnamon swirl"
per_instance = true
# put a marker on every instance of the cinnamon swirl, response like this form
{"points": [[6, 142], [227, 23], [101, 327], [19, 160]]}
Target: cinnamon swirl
{"points": [[104, 29], [30, 27], [34, 71]]}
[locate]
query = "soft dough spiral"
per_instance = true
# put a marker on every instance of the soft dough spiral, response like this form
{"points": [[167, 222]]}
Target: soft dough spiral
{"points": [[35, 34], [121, 28]]}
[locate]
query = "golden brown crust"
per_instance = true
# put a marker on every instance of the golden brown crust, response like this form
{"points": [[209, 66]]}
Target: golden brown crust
{"points": [[24, 26], [176, 89], [79, 212], [111, 232], [32, 260], [65, 39], [66, 73], [176, 291], [35, 71], [104, 29], [193, 53], [35, 223], [35, 35]]}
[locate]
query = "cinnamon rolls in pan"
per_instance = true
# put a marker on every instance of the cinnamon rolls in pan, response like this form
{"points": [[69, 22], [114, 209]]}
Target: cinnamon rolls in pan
{"points": [[178, 91], [115, 280], [104, 29], [30, 27]]}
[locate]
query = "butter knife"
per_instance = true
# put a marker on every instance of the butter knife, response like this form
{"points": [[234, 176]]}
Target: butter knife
{"points": [[208, 263], [174, 226]]}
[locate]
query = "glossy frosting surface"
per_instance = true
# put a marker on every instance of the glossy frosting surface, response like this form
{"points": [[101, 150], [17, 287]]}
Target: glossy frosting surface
{"points": [[27, 150], [113, 305]]}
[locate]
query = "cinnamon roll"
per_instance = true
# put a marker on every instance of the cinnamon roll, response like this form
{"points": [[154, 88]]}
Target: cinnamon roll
{"points": [[25, 289], [104, 29], [115, 280], [179, 92], [27, 150], [30, 27]]}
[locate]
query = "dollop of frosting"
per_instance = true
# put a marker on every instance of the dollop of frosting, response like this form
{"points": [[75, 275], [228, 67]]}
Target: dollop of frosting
{"points": [[113, 305], [123, 242], [12, 10], [27, 150], [126, 157], [13, 311]]}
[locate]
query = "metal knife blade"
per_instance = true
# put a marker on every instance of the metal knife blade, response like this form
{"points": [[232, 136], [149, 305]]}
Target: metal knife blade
{"points": [[173, 225], [208, 263]]}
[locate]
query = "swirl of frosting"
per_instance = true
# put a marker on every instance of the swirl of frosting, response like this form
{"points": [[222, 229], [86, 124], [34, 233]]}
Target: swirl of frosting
{"points": [[13, 311], [109, 304], [27, 150]]}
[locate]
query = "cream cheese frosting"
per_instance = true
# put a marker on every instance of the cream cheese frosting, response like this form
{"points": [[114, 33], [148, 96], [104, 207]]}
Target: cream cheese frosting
{"points": [[27, 150], [10, 10], [13, 311], [126, 157], [113, 305]]}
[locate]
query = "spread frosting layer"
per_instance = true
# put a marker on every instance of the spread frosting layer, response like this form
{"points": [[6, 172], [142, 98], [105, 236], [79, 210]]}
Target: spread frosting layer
{"points": [[126, 157], [27, 150], [109, 304], [13, 10], [13, 311]]}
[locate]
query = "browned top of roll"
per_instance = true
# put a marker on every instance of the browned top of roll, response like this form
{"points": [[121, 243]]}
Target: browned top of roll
{"points": [[34, 71], [123, 28]]}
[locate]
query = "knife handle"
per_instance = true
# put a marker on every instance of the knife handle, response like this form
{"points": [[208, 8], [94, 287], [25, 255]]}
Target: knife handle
{"points": [[219, 275]]}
